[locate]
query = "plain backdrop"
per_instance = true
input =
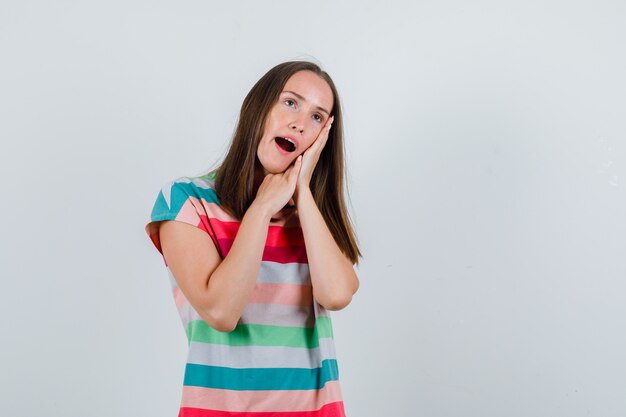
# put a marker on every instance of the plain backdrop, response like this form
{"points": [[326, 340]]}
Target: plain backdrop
{"points": [[486, 155]]}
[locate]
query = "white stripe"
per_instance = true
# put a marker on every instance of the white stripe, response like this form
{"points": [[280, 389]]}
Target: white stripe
{"points": [[260, 356], [166, 190]]}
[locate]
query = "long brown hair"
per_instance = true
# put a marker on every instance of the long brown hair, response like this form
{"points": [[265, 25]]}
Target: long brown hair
{"points": [[235, 178]]}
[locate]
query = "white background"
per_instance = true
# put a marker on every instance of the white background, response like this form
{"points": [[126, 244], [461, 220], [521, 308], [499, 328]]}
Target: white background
{"points": [[486, 148]]}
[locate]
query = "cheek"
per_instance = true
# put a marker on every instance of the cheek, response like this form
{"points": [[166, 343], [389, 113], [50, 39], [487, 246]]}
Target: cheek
{"points": [[310, 142], [315, 129]]}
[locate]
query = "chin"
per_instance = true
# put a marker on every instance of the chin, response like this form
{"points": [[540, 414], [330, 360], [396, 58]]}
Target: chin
{"points": [[273, 170], [278, 169]]}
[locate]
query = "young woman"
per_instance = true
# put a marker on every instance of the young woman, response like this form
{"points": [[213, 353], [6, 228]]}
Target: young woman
{"points": [[259, 250]]}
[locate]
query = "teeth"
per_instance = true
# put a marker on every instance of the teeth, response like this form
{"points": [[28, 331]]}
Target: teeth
{"points": [[290, 141]]}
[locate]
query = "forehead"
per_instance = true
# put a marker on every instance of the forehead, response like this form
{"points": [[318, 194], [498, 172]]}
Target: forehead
{"points": [[313, 88]]}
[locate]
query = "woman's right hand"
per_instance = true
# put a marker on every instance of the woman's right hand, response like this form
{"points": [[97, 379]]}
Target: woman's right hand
{"points": [[277, 189]]}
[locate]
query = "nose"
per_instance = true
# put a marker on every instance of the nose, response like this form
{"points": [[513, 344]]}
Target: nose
{"points": [[297, 125]]}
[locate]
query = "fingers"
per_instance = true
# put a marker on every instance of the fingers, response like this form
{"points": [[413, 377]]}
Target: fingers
{"points": [[325, 132], [297, 165], [291, 166], [329, 122], [280, 187], [294, 169], [320, 141]]}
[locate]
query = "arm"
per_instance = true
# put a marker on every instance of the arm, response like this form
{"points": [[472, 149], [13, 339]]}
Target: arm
{"points": [[332, 274], [217, 289]]}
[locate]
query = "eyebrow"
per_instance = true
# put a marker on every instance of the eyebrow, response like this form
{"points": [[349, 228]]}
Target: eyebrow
{"points": [[304, 99]]}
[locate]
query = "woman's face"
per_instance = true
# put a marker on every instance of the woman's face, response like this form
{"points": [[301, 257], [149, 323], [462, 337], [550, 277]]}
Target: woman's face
{"points": [[301, 111]]}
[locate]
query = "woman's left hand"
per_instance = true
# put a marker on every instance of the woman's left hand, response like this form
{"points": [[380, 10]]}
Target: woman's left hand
{"points": [[310, 158]]}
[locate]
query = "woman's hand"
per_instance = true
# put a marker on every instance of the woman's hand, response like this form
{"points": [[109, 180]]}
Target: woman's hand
{"points": [[277, 189], [310, 158]]}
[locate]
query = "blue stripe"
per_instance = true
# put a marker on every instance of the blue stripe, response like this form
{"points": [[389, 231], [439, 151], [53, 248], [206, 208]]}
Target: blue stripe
{"points": [[261, 378], [179, 194], [182, 190]]}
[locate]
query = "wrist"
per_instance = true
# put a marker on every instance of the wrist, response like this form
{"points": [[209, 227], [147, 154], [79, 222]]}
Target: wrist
{"points": [[260, 210], [303, 195]]}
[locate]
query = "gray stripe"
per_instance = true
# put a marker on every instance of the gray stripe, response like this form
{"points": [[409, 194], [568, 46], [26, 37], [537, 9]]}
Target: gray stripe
{"points": [[289, 273], [320, 311], [278, 315], [188, 314], [273, 272], [272, 314], [173, 283], [260, 356]]}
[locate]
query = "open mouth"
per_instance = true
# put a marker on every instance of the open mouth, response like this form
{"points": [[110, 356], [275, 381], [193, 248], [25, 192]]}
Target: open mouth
{"points": [[285, 144]]}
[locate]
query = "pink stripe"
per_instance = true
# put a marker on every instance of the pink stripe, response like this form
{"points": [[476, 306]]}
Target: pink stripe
{"points": [[261, 401], [213, 210], [193, 213], [188, 213], [274, 293], [179, 298], [266, 293]]}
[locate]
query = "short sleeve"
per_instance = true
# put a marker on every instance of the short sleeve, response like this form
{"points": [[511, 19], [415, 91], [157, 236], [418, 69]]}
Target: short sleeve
{"points": [[185, 201]]}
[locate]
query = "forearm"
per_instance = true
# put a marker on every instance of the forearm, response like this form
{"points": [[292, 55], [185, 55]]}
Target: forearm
{"points": [[332, 273], [232, 282]]}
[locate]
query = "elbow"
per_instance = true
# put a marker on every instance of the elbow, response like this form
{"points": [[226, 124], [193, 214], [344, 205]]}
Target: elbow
{"points": [[225, 327], [337, 303], [219, 321], [341, 300]]}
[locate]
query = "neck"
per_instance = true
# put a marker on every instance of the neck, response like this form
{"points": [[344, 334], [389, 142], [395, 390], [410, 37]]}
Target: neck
{"points": [[259, 175]]}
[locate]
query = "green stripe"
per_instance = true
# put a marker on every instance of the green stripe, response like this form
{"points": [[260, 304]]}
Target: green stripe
{"points": [[261, 378], [210, 176], [324, 327], [261, 334]]}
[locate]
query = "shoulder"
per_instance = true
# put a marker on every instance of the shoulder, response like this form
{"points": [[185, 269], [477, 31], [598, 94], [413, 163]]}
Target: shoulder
{"points": [[175, 193], [189, 200], [181, 188]]}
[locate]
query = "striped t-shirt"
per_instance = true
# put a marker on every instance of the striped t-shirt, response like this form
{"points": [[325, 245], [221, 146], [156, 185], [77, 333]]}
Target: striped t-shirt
{"points": [[279, 361]]}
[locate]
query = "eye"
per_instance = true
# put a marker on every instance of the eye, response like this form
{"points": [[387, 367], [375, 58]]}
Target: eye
{"points": [[319, 117], [289, 101]]}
